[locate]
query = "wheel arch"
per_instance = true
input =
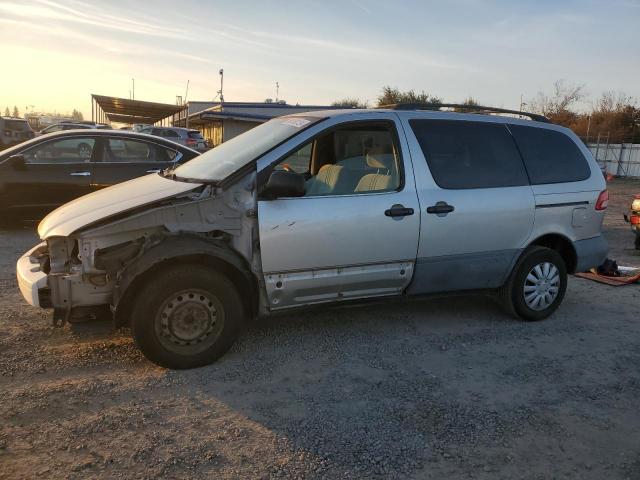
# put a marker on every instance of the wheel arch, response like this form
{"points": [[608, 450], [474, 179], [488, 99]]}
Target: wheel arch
{"points": [[184, 250], [560, 244]]}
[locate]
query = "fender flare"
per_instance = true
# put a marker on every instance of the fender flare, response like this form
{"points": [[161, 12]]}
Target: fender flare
{"points": [[186, 248]]}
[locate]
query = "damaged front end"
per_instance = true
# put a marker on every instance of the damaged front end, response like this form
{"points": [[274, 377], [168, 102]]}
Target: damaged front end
{"points": [[95, 267]]}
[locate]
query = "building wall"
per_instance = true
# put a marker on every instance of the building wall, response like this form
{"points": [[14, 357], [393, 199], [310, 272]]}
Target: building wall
{"points": [[194, 107], [233, 128], [211, 131]]}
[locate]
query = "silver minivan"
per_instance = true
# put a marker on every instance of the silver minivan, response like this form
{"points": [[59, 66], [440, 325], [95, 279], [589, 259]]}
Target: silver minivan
{"points": [[320, 208]]}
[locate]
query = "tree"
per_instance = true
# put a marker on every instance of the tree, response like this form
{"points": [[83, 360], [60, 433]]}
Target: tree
{"points": [[6, 112], [469, 102], [77, 115], [391, 95], [16, 112], [557, 106], [350, 103]]}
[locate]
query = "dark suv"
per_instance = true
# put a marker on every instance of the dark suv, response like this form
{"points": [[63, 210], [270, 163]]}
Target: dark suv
{"points": [[14, 131]]}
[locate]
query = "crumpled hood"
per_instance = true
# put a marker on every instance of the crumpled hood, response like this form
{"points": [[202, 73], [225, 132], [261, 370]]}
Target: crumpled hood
{"points": [[110, 201]]}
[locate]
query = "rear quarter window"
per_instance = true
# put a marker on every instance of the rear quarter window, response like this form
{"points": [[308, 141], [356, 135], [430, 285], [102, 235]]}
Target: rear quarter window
{"points": [[550, 156], [465, 155]]}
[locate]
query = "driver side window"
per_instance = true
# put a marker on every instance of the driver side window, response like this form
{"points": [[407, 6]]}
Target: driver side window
{"points": [[350, 160]]}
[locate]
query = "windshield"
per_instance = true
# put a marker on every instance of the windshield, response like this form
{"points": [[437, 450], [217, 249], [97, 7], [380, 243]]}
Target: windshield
{"points": [[228, 157]]}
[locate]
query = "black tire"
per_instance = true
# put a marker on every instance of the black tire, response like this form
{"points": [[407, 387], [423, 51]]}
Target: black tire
{"points": [[513, 292], [177, 303], [637, 242]]}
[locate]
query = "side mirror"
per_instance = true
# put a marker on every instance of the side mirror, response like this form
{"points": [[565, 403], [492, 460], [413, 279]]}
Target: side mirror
{"points": [[282, 183], [16, 161]]}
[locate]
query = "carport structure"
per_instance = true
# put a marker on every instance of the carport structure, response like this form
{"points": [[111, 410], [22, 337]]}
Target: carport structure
{"points": [[124, 110]]}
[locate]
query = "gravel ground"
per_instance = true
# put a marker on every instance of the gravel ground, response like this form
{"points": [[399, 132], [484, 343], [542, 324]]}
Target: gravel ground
{"points": [[441, 388]]}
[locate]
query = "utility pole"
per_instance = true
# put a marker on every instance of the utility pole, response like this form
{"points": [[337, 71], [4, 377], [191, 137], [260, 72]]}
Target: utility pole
{"points": [[221, 72], [133, 89], [186, 92], [277, 91]]}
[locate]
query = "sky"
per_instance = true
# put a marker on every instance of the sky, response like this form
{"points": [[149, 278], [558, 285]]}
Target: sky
{"points": [[55, 53]]}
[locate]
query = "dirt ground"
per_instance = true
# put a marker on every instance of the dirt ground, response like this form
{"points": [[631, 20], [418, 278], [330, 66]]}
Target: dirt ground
{"points": [[441, 388]]}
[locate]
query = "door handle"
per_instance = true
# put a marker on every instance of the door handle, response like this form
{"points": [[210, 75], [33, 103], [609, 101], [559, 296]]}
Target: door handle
{"points": [[440, 209], [155, 170], [80, 174], [398, 211]]}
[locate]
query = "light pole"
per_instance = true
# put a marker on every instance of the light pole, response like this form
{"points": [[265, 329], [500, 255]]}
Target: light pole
{"points": [[221, 72]]}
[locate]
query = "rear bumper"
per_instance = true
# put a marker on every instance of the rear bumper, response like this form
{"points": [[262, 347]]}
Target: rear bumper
{"points": [[31, 280], [590, 253]]}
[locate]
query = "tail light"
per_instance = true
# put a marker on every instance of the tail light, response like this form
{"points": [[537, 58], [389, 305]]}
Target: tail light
{"points": [[603, 200], [191, 141], [634, 219]]}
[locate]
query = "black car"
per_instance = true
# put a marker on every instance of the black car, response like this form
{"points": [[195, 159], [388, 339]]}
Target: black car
{"points": [[50, 170]]}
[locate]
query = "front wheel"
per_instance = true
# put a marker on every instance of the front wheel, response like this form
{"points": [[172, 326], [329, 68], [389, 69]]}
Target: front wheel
{"points": [[186, 316], [537, 284]]}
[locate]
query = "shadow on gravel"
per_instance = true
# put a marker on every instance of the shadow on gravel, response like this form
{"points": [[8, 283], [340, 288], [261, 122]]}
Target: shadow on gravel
{"points": [[363, 388]]}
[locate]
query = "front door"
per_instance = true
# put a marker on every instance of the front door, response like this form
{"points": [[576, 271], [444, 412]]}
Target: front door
{"points": [[53, 173], [477, 204], [354, 233]]}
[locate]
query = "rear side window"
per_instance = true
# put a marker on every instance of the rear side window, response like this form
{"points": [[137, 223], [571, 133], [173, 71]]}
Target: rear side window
{"points": [[464, 155], [550, 156], [169, 133]]}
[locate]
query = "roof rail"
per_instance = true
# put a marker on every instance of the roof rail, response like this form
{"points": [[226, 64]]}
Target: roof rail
{"points": [[468, 109]]}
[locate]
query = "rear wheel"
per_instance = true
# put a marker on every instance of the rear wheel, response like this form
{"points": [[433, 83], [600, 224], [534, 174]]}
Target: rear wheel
{"points": [[537, 284], [186, 316]]}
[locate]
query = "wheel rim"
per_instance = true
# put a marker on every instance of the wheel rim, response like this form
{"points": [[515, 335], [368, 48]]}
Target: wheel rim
{"points": [[542, 286], [189, 321]]}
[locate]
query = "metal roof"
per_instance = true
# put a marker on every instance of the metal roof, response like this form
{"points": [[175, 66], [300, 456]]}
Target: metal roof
{"points": [[125, 110], [247, 117]]}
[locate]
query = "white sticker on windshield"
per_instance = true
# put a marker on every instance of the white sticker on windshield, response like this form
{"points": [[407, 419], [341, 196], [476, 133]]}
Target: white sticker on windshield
{"points": [[296, 122]]}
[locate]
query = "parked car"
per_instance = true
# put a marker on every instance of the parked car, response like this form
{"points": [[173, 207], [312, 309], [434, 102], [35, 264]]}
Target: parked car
{"points": [[321, 208], [58, 127], [183, 136], [53, 169], [14, 131], [634, 218]]}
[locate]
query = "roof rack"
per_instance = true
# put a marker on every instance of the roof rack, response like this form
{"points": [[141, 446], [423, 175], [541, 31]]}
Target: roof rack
{"points": [[468, 109]]}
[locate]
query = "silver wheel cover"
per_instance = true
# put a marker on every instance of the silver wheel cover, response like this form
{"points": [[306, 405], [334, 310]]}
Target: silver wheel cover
{"points": [[542, 286]]}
